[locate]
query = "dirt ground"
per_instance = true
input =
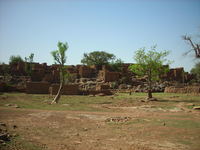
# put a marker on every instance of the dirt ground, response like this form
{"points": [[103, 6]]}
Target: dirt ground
{"points": [[141, 127]]}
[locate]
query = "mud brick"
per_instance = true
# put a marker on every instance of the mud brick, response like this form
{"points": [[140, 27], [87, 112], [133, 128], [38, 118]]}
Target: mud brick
{"points": [[69, 89], [37, 87]]}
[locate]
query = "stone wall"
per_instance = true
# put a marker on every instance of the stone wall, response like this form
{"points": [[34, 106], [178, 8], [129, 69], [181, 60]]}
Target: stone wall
{"points": [[102, 87], [37, 87], [70, 89], [185, 89], [86, 72]]}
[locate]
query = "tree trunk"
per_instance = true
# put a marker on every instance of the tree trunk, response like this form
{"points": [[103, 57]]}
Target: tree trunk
{"points": [[149, 94], [149, 84], [58, 95]]}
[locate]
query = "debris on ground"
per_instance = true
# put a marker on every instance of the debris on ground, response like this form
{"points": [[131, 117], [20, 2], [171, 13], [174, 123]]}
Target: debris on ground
{"points": [[118, 119], [12, 105]]}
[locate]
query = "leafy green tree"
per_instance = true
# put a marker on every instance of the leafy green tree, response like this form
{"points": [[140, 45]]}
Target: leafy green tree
{"points": [[15, 59], [149, 63], [116, 65], [196, 71], [29, 64], [59, 57], [97, 58]]}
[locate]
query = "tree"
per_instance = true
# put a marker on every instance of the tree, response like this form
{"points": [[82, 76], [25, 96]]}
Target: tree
{"points": [[196, 71], [15, 59], [4, 69], [29, 64], [97, 58], [60, 58], [195, 46], [149, 63], [116, 65]]}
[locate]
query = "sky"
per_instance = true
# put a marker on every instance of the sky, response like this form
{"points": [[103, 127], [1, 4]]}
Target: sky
{"points": [[116, 26]]}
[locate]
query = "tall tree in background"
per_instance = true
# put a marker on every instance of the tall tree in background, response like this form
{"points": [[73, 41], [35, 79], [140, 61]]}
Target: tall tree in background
{"points": [[149, 63], [60, 58], [15, 59], [29, 64], [195, 46], [97, 58]]}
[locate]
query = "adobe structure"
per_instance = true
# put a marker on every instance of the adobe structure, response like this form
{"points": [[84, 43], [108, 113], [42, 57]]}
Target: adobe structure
{"points": [[83, 79]]}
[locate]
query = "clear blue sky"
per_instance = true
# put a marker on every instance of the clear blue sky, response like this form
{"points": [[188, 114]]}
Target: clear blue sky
{"points": [[116, 26]]}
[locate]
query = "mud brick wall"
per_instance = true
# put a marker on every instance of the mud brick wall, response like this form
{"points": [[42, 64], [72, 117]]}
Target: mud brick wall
{"points": [[37, 75], [112, 76], [37, 66], [17, 68], [85, 72], [48, 77], [56, 76], [72, 69], [70, 89], [108, 76], [37, 87], [176, 74], [186, 89]]}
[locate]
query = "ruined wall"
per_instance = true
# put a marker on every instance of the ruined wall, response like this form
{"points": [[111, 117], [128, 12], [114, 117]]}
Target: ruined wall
{"points": [[86, 72], [37, 75], [102, 87], [185, 89], [108, 76], [70, 89], [17, 68], [175, 74], [37, 87]]}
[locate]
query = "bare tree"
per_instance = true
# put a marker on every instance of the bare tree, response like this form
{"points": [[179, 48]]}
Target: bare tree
{"points": [[195, 46]]}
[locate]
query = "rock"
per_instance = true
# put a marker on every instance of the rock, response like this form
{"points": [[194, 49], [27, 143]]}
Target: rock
{"points": [[196, 108], [65, 104], [85, 129], [101, 94]]}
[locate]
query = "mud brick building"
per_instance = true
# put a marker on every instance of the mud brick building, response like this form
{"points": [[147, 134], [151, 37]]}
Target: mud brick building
{"points": [[44, 77]]}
